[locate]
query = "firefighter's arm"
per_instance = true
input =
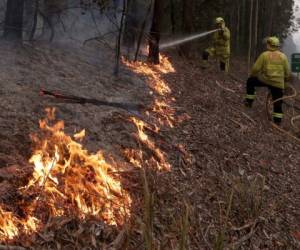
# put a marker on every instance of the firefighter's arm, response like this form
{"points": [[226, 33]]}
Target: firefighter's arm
{"points": [[225, 33], [258, 65], [287, 70]]}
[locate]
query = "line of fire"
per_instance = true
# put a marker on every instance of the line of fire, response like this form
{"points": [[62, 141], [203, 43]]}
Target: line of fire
{"points": [[130, 124]]}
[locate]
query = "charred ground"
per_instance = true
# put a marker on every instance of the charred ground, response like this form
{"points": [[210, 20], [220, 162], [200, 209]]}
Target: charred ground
{"points": [[233, 180]]}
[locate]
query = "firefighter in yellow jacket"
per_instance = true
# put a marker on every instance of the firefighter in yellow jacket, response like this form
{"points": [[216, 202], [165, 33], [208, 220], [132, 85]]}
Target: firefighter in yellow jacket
{"points": [[271, 70], [220, 46]]}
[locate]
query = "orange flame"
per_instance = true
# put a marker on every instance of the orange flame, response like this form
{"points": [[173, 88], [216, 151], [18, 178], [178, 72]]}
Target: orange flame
{"points": [[67, 173], [10, 225], [161, 109], [136, 156], [67, 180]]}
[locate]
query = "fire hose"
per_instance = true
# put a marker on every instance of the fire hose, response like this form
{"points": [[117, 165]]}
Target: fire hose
{"points": [[269, 103], [284, 99]]}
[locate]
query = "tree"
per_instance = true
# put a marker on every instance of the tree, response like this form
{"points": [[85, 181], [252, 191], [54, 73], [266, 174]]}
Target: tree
{"points": [[119, 38], [250, 36], [13, 25], [187, 24], [153, 56], [130, 26]]}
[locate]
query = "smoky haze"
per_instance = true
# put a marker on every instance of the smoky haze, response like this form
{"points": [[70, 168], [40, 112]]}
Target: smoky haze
{"points": [[67, 20], [292, 43]]}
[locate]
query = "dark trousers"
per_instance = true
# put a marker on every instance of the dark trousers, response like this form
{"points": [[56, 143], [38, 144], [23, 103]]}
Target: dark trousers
{"points": [[205, 56], [277, 93]]}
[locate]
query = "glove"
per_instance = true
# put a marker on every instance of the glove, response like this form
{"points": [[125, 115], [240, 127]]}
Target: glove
{"points": [[221, 31]]}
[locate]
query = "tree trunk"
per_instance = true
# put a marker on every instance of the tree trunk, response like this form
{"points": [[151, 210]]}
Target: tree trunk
{"points": [[13, 26], [238, 27], [172, 16], [130, 26], [153, 56], [35, 19], [243, 35], [250, 36], [270, 30], [119, 39], [187, 24], [256, 29], [142, 31]]}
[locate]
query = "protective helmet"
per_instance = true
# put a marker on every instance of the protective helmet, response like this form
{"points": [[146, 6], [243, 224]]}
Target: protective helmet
{"points": [[273, 41], [219, 20]]}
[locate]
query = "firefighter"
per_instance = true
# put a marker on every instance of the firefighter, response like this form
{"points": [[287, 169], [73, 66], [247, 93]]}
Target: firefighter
{"points": [[271, 70], [220, 46]]}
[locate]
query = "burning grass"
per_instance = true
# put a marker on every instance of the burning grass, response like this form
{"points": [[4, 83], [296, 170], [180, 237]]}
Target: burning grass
{"points": [[72, 191], [67, 181]]}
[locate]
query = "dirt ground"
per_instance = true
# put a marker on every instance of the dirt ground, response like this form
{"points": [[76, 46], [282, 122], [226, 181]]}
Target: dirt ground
{"points": [[233, 180]]}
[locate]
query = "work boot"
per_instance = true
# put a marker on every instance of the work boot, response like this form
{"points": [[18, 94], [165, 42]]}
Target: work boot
{"points": [[277, 121], [248, 103]]}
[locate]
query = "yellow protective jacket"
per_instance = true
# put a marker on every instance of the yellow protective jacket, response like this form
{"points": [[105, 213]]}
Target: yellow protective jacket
{"points": [[221, 43], [272, 68]]}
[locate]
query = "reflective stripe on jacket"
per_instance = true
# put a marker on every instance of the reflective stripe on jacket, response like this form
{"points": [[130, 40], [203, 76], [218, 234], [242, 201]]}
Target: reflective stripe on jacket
{"points": [[272, 68], [221, 42]]}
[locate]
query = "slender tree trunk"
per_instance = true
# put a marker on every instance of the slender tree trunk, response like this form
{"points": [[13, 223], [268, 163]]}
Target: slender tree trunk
{"points": [[119, 39], [153, 56], [238, 39], [172, 16], [35, 19], [270, 31], [13, 26], [256, 29], [243, 39], [262, 28], [187, 24], [142, 31], [250, 35], [130, 26]]}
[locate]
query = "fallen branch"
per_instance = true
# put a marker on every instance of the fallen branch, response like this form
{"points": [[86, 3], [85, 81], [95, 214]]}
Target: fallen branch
{"points": [[244, 226], [247, 116], [243, 127], [81, 100], [222, 87], [237, 244]]}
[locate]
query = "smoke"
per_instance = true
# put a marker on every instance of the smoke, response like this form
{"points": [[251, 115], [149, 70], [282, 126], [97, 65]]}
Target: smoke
{"points": [[186, 39], [68, 20]]}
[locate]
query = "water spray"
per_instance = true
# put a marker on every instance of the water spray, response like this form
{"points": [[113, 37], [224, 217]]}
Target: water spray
{"points": [[186, 39]]}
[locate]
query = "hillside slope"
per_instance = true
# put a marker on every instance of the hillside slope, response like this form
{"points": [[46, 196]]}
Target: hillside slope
{"points": [[220, 175]]}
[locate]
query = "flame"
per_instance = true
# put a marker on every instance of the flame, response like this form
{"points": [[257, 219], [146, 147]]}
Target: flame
{"points": [[136, 157], [165, 65], [80, 135], [69, 174], [163, 100], [67, 181], [157, 84], [8, 225], [161, 109]]}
